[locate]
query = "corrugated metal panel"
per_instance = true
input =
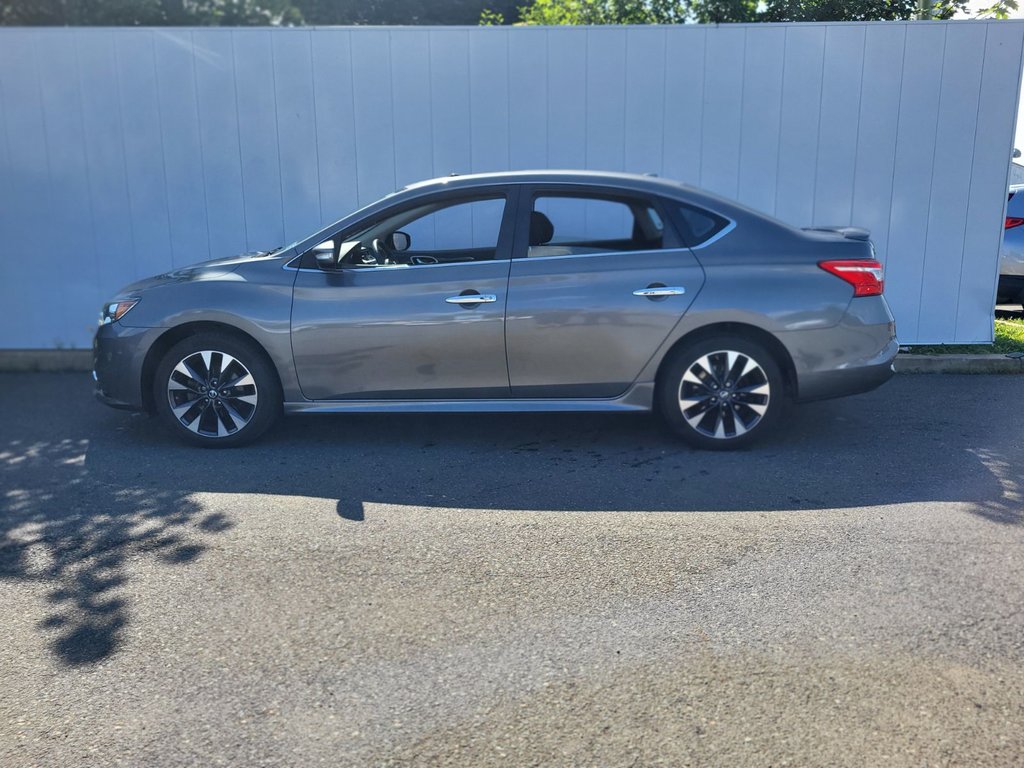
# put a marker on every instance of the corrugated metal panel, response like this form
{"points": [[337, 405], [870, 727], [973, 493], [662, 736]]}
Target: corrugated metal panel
{"points": [[131, 151]]}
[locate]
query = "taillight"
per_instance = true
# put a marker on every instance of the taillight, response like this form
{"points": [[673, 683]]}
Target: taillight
{"points": [[1013, 221], [865, 275]]}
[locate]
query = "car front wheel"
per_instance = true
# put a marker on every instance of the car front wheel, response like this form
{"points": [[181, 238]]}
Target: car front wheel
{"points": [[721, 392], [217, 391]]}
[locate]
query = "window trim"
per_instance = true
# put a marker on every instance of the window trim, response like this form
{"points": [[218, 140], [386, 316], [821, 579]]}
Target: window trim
{"points": [[729, 227], [392, 268]]}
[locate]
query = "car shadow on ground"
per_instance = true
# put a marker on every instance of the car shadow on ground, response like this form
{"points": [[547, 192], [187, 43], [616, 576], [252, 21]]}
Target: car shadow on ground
{"points": [[85, 489]]}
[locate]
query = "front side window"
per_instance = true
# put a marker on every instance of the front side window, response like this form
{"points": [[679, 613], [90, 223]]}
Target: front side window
{"points": [[440, 232], [468, 228], [566, 225]]}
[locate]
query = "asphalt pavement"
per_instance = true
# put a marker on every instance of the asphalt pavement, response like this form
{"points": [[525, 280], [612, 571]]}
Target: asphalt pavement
{"points": [[478, 590]]}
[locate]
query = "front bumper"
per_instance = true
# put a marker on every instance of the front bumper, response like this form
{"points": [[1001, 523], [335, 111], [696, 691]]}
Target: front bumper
{"points": [[106, 399], [118, 354]]}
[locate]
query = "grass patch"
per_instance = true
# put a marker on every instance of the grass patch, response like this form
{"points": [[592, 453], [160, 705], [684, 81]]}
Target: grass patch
{"points": [[1009, 338]]}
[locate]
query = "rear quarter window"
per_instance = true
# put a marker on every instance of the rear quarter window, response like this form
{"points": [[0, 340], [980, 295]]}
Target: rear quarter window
{"points": [[697, 225]]}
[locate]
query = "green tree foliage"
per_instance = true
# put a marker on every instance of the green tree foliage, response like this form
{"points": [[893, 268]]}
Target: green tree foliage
{"points": [[249, 12], [859, 10], [439, 12], [467, 12], [147, 12], [721, 11], [554, 12], [1000, 10], [489, 18], [557, 12], [401, 11]]}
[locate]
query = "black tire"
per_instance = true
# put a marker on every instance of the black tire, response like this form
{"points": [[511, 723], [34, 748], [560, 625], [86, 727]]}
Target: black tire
{"points": [[209, 414], [737, 410]]}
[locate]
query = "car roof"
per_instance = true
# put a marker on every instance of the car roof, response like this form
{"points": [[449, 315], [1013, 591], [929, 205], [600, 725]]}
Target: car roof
{"points": [[648, 182]]}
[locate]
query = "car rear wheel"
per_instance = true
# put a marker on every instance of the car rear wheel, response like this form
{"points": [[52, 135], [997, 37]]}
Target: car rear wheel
{"points": [[216, 391], [721, 392]]}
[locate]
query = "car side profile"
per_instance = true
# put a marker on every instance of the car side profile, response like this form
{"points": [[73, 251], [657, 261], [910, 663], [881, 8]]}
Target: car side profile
{"points": [[516, 291]]}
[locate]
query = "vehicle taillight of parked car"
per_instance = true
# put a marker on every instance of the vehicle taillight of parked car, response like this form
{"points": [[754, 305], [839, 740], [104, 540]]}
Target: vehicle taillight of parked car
{"points": [[865, 275]]}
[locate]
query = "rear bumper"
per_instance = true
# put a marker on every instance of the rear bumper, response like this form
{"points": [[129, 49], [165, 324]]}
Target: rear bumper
{"points": [[821, 385], [852, 357], [1011, 288]]}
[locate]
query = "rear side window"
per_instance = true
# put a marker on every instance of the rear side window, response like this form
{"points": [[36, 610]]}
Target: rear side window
{"points": [[698, 225], [571, 225]]}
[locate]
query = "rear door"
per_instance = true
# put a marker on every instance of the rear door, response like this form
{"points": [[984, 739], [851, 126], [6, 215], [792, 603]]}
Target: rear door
{"points": [[598, 280]]}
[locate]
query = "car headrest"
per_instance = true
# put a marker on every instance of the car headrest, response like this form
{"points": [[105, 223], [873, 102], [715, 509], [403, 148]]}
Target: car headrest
{"points": [[541, 228]]}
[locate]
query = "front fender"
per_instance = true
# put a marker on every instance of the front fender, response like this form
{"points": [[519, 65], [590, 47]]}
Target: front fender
{"points": [[261, 311]]}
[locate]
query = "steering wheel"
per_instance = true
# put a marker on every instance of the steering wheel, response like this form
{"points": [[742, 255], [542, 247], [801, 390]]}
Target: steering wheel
{"points": [[380, 250]]}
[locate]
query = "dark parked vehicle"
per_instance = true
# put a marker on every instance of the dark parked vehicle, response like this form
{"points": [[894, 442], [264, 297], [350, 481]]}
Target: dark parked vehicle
{"points": [[519, 291], [1011, 257]]}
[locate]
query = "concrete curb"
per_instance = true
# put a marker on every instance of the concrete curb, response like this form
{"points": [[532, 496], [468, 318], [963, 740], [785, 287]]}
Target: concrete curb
{"points": [[45, 360], [911, 363], [54, 360]]}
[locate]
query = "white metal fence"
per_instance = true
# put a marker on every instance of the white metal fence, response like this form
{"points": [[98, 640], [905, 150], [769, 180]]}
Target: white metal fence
{"points": [[125, 152]]}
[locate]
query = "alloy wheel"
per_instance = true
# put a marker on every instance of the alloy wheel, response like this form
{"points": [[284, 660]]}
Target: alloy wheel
{"points": [[212, 394], [724, 394]]}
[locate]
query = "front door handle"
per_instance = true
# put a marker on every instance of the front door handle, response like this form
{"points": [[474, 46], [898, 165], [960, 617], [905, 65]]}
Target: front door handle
{"points": [[472, 298], [654, 291]]}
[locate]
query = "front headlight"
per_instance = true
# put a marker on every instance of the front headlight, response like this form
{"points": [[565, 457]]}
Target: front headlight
{"points": [[115, 310]]}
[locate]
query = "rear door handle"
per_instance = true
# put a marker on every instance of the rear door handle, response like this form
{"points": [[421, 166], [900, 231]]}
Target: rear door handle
{"points": [[653, 291], [472, 298]]}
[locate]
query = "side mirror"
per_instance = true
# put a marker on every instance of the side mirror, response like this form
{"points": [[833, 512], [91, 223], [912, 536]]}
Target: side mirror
{"points": [[399, 241], [324, 255], [325, 260]]}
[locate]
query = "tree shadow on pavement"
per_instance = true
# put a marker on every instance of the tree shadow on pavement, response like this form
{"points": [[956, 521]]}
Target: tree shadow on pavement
{"points": [[71, 529], [85, 490]]}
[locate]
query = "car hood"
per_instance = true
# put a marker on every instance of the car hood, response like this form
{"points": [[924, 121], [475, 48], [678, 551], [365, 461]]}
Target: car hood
{"points": [[215, 269]]}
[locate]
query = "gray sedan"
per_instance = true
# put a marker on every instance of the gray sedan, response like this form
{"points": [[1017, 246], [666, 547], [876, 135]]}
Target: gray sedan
{"points": [[519, 291]]}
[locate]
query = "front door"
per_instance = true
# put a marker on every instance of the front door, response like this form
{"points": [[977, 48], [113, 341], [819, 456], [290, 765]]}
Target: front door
{"points": [[413, 306], [598, 282]]}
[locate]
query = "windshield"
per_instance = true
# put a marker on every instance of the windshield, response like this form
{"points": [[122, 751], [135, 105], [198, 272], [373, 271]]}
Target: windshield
{"points": [[324, 232]]}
